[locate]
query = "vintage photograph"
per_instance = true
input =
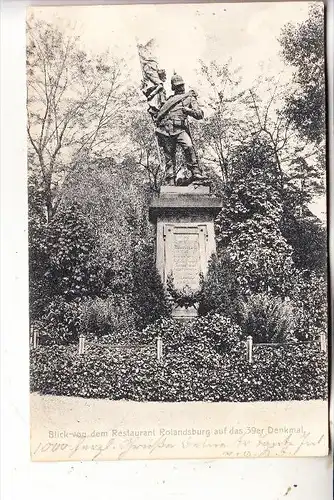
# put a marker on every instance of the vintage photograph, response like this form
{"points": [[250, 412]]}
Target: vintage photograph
{"points": [[177, 222]]}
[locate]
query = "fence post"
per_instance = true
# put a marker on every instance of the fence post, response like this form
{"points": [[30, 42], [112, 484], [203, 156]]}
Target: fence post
{"points": [[81, 344], [322, 342], [249, 349], [159, 348], [35, 336]]}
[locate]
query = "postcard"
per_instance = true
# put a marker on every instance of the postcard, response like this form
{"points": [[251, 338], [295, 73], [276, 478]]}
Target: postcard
{"points": [[177, 231]]}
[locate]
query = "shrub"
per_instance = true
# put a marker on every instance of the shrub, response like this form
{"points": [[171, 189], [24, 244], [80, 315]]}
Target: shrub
{"points": [[306, 232], [69, 244], [248, 226], [62, 321], [98, 243], [148, 298], [195, 374], [38, 289], [221, 290], [280, 373], [268, 319], [112, 316], [214, 331], [309, 293], [97, 373], [223, 334], [167, 328]]}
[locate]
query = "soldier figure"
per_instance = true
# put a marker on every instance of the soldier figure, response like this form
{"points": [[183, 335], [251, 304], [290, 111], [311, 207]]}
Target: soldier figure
{"points": [[173, 129]]}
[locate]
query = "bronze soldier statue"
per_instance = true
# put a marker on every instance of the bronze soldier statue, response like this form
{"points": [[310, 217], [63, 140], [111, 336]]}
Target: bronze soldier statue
{"points": [[173, 129]]}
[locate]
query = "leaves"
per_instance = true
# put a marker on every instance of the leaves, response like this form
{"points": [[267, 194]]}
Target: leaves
{"points": [[303, 48], [197, 374], [98, 248], [268, 319], [186, 296], [248, 227]]}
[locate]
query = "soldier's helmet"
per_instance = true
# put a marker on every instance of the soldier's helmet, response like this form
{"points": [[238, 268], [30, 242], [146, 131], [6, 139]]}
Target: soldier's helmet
{"points": [[176, 80]]}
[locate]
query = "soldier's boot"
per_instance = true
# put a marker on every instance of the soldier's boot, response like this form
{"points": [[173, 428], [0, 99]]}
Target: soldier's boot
{"points": [[197, 174], [169, 175], [198, 178], [192, 165]]}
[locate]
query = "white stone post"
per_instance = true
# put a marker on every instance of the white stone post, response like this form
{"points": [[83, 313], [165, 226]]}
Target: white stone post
{"points": [[35, 336], [249, 345], [159, 348], [322, 342], [81, 344]]}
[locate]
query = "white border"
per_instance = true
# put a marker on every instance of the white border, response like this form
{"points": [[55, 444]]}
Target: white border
{"points": [[229, 479]]}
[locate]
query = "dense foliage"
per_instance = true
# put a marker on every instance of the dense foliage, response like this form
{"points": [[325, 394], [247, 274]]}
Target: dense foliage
{"points": [[268, 319], [96, 257], [221, 289], [263, 277], [310, 296], [197, 373], [253, 255], [214, 330], [306, 231], [303, 48], [248, 226]]}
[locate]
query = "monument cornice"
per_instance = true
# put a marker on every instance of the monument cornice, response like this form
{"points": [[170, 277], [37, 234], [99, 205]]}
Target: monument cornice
{"points": [[184, 200]]}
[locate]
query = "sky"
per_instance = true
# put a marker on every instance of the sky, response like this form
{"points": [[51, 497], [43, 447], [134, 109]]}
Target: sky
{"points": [[246, 33], [185, 33]]}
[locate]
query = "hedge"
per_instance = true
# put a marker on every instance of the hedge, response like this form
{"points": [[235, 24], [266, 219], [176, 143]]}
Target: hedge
{"points": [[196, 373]]}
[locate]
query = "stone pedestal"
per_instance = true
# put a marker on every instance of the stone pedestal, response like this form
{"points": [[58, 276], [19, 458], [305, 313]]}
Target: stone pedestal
{"points": [[185, 240]]}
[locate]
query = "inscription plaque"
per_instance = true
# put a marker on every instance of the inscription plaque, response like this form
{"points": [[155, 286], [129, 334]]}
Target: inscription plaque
{"points": [[186, 264], [184, 219]]}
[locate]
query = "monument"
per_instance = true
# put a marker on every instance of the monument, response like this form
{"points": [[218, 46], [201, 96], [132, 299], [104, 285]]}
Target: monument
{"points": [[184, 211]]}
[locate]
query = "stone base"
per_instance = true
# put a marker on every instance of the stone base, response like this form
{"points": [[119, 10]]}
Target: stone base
{"points": [[184, 313], [192, 202], [185, 240], [179, 190]]}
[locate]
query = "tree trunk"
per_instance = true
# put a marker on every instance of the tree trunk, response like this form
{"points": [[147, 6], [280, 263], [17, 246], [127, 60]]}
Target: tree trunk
{"points": [[49, 205]]}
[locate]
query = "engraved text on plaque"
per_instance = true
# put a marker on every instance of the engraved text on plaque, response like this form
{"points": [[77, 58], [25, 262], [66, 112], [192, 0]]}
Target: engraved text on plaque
{"points": [[186, 260]]}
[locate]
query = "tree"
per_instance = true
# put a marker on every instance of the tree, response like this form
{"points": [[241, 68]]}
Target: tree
{"points": [[116, 206], [149, 298], [98, 254], [238, 116], [38, 294], [74, 101], [221, 290], [305, 107], [267, 121], [65, 273], [69, 244], [303, 48], [223, 128], [308, 238], [265, 253], [140, 129], [248, 227], [296, 158]]}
